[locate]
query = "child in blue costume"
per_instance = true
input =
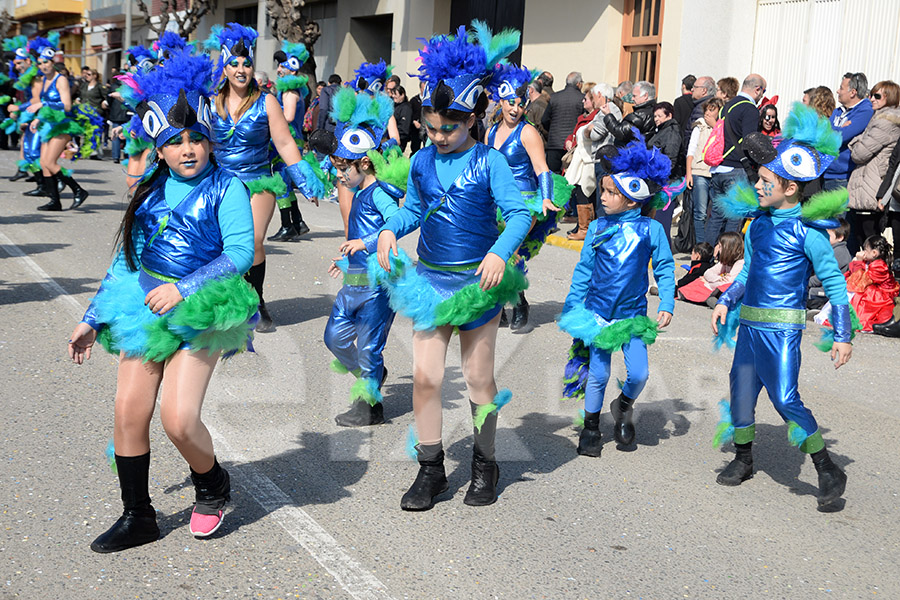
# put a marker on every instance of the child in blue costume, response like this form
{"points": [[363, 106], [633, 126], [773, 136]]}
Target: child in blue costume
{"points": [[245, 120], [462, 278], [361, 312], [173, 300], [291, 91], [606, 308], [24, 76], [784, 244], [138, 145], [523, 147]]}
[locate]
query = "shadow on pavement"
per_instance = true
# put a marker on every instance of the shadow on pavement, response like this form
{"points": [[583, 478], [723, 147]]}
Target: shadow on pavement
{"points": [[291, 311], [37, 248], [18, 293]]}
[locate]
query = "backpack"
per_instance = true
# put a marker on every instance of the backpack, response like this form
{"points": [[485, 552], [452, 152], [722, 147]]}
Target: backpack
{"points": [[714, 150], [309, 118]]}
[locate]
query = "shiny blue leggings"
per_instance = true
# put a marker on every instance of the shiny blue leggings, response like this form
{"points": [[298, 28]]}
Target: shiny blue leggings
{"points": [[31, 146], [636, 367], [362, 315], [769, 359]]}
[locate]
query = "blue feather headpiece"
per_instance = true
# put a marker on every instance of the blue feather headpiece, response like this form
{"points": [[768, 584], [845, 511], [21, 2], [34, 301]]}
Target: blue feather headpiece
{"points": [[168, 43], [232, 41], [371, 77], [808, 146], [17, 44], [509, 82], [45, 48], [140, 58], [296, 53], [456, 68], [174, 97], [640, 173], [361, 120]]}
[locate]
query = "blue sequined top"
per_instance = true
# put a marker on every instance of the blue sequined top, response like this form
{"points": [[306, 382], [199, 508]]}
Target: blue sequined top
{"points": [[517, 157], [50, 96], [242, 149]]}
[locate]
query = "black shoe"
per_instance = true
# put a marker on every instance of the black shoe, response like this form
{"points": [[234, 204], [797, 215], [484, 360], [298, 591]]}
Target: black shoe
{"points": [[485, 475], [265, 323], [135, 527], [622, 411], [116, 161], [737, 472], [589, 440], [890, 328], [32, 178], [519, 314], [282, 234], [299, 231], [504, 322], [20, 174], [38, 192], [80, 196], [832, 480], [52, 206], [361, 415], [430, 483]]}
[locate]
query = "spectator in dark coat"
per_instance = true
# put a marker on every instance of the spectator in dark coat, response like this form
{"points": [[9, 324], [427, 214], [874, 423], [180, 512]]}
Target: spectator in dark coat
{"points": [[684, 103], [416, 131], [537, 104], [704, 90], [559, 119], [644, 95], [325, 96], [403, 115], [668, 139]]}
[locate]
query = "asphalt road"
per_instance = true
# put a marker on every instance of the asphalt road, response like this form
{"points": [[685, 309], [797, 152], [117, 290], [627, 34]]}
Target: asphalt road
{"points": [[315, 508]]}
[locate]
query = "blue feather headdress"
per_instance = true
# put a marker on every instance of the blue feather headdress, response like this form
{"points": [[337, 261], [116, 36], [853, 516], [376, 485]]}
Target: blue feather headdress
{"points": [[361, 120], [45, 48], [371, 77], [232, 41], [640, 173], [140, 58], [510, 82], [809, 145], [17, 44], [173, 97], [168, 43], [456, 68], [296, 54]]}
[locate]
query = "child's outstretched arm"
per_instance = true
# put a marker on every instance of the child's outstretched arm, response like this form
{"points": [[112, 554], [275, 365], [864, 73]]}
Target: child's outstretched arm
{"points": [[404, 221], [818, 250], [663, 272]]}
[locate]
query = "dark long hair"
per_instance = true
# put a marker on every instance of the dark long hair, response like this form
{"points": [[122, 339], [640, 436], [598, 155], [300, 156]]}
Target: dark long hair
{"points": [[880, 245], [124, 237]]}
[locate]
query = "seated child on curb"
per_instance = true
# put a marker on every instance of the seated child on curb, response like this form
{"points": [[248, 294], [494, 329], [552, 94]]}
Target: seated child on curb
{"points": [[870, 281], [729, 254], [701, 260], [838, 239]]}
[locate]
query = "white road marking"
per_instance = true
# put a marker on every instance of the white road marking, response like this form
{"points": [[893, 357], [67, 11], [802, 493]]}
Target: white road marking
{"points": [[356, 581]]}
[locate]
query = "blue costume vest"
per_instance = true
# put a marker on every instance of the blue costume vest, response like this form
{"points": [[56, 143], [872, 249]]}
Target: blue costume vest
{"points": [[517, 157], [619, 280], [459, 226], [50, 95], [779, 268], [243, 149], [183, 239], [365, 220], [297, 123]]}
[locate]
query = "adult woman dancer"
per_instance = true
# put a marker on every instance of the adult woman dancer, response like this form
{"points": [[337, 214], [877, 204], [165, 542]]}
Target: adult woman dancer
{"points": [[173, 300], [523, 147], [54, 114], [245, 119]]}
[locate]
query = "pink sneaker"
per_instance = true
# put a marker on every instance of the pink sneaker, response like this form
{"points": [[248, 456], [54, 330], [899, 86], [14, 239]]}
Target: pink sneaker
{"points": [[205, 525]]}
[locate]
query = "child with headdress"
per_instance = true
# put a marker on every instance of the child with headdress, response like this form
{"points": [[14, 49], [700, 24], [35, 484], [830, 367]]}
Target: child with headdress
{"points": [[522, 145], [606, 308], [21, 114], [784, 244], [463, 277], [361, 312], [245, 120], [173, 300], [292, 90], [138, 145]]}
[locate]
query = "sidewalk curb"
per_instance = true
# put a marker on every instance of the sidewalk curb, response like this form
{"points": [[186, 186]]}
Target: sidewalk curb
{"points": [[561, 242]]}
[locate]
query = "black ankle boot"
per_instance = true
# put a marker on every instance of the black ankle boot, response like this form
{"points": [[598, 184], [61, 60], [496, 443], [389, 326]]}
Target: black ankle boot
{"points": [[300, 229], [890, 328], [740, 469], [622, 411], [430, 483], [519, 314], [265, 323], [79, 194], [282, 234], [589, 440], [40, 190], [504, 322], [137, 525], [832, 480], [20, 174], [485, 475], [361, 415], [50, 186]]}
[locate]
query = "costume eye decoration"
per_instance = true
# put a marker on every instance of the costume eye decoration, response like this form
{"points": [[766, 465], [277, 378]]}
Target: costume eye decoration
{"points": [[506, 91], [293, 63], [799, 162], [204, 112], [358, 140], [154, 120], [468, 97], [376, 86], [634, 187]]}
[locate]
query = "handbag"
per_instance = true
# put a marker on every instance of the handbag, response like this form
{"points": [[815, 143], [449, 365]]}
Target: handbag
{"points": [[566, 159]]}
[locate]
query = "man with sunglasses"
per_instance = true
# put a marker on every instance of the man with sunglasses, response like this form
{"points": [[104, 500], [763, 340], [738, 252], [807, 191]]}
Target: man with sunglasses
{"points": [[850, 119]]}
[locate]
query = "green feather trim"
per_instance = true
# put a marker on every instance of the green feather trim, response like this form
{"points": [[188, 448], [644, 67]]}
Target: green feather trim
{"points": [[291, 82], [51, 115], [4, 79], [343, 104], [339, 368], [614, 336], [68, 127], [578, 420], [5, 99], [391, 167], [26, 78], [65, 171], [471, 302], [135, 146], [826, 342], [562, 190], [313, 162], [273, 184], [825, 205], [365, 389]]}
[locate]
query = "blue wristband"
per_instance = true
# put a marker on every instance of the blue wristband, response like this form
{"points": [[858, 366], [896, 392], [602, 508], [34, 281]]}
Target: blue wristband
{"points": [[545, 182], [840, 318], [220, 267], [733, 295]]}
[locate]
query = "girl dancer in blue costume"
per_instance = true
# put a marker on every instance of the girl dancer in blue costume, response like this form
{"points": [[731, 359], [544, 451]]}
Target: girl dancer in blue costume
{"points": [[56, 124], [292, 90], [361, 312], [173, 300], [783, 245], [462, 278], [523, 147], [606, 308], [245, 120], [28, 87]]}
